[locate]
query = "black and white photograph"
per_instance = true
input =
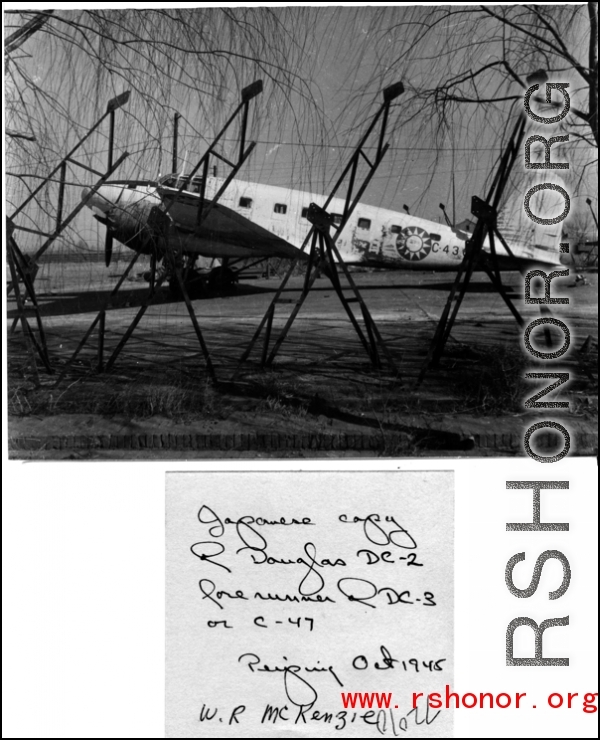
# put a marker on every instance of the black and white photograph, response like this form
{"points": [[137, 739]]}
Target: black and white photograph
{"points": [[301, 231], [300, 370]]}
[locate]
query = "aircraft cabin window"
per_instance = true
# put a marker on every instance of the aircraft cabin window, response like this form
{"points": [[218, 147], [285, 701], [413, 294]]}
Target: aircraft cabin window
{"points": [[337, 218], [280, 208], [245, 202], [394, 229], [435, 237], [364, 223], [304, 213]]}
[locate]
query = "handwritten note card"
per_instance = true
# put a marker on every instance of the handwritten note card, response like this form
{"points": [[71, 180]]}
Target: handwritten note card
{"points": [[315, 603]]}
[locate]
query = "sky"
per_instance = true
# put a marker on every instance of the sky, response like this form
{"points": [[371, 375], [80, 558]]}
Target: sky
{"points": [[349, 47]]}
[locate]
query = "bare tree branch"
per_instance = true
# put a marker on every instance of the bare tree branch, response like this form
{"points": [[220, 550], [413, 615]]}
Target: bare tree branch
{"points": [[19, 37]]}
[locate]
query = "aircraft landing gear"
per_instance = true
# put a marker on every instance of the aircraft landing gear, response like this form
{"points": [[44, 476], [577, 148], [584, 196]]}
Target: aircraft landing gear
{"points": [[198, 281], [194, 281], [222, 277]]}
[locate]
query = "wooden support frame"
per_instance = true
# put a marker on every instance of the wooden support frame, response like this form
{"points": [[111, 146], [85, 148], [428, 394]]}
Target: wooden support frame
{"points": [[486, 213], [22, 267], [60, 223], [160, 224], [322, 252]]}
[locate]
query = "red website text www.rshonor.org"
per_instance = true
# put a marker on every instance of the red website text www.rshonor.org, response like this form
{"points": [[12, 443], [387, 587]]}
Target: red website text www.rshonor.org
{"points": [[451, 700]]}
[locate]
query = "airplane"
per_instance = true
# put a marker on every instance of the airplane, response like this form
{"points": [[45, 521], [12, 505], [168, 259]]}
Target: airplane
{"points": [[253, 220]]}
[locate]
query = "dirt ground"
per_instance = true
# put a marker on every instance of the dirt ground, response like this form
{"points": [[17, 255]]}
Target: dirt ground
{"points": [[320, 396]]}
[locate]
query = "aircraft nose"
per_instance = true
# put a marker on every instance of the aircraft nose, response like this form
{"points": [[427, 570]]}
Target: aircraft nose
{"points": [[102, 199]]}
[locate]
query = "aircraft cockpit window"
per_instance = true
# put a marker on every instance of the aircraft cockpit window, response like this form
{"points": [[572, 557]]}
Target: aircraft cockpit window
{"points": [[280, 208], [305, 212], [245, 202], [435, 237], [394, 229], [337, 218], [131, 186], [364, 223]]}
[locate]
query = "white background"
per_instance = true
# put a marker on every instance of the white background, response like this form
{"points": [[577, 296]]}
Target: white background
{"points": [[84, 594]]}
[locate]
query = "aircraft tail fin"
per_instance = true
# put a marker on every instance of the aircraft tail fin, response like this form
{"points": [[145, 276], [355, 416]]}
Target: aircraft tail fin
{"points": [[527, 239]]}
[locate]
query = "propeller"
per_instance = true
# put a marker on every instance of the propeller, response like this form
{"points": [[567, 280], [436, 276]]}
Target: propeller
{"points": [[108, 239], [152, 280], [108, 247]]}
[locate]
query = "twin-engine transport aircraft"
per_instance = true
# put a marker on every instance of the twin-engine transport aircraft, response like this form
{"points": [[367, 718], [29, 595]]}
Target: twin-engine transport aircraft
{"points": [[252, 220]]}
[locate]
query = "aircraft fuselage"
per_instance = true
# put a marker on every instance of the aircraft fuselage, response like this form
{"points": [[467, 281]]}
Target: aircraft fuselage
{"points": [[256, 220]]}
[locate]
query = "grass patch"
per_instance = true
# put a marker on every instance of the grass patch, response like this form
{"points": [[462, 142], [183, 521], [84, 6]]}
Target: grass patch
{"points": [[173, 396], [274, 394], [488, 382]]}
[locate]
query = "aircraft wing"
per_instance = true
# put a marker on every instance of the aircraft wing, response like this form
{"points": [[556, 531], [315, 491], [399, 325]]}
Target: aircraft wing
{"points": [[227, 231]]}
